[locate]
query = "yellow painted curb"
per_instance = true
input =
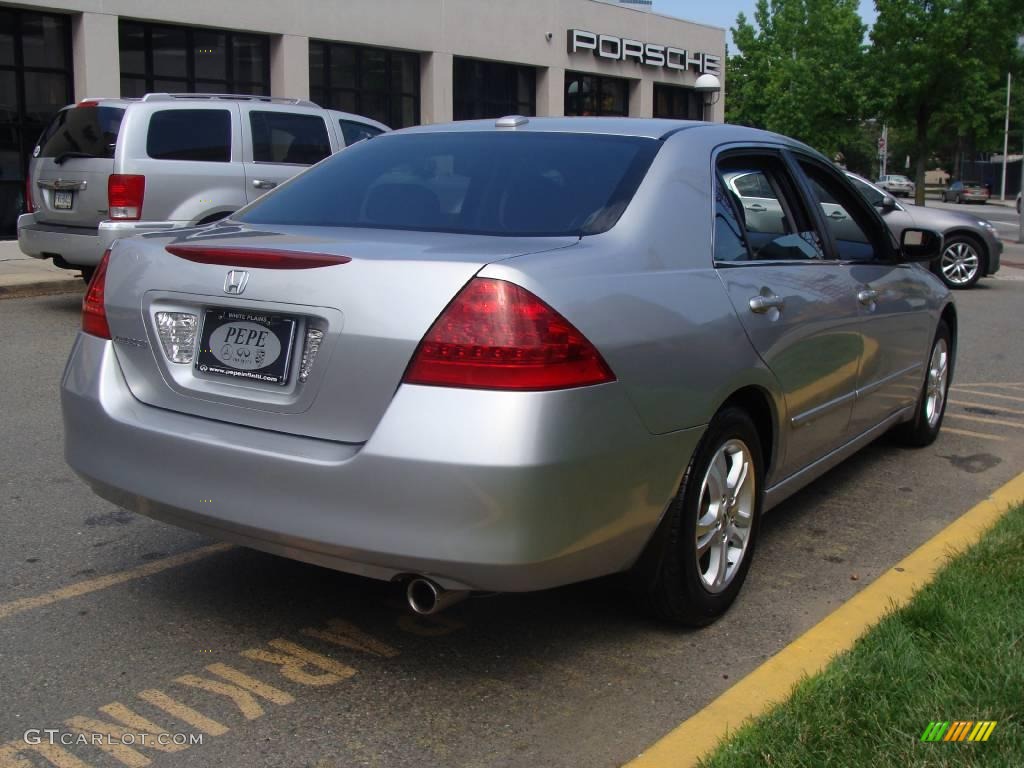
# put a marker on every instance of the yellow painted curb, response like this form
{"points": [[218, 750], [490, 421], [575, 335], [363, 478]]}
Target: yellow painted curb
{"points": [[772, 682]]}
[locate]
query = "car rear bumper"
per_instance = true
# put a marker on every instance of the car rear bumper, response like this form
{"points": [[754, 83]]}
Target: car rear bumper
{"points": [[478, 490], [78, 246], [81, 246]]}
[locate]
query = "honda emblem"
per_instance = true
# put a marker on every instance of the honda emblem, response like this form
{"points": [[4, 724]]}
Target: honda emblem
{"points": [[236, 281]]}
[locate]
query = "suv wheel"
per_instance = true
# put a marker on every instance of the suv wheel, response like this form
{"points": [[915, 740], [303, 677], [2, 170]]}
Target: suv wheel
{"points": [[697, 562], [961, 262]]}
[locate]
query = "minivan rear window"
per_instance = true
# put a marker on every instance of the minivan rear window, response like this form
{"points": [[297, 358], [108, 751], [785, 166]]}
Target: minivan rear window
{"points": [[202, 135], [82, 132], [487, 183]]}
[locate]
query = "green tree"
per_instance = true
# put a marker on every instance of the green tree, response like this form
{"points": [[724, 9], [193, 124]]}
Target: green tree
{"points": [[799, 71], [937, 68]]}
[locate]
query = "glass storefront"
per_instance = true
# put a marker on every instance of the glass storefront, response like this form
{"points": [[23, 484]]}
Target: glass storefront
{"points": [[677, 102], [35, 82], [169, 59], [379, 83], [596, 95], [485, 89]]}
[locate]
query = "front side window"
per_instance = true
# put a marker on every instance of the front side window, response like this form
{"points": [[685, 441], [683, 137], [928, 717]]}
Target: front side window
{"points": [[190, 134], [846, 218], [487, 183], [285, 137], [872, 194], [776, 225]]}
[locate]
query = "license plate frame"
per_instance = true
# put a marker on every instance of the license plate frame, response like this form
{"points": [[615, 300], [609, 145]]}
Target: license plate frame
{"points": [[217, 352], [63, 199]]}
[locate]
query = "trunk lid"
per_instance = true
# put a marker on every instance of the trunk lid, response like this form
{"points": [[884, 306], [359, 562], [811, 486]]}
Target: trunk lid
{"points": [[75, 158], [372, 311]]}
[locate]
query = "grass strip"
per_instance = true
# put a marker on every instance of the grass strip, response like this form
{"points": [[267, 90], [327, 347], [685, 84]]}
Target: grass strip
{"points": [[955, 652]]}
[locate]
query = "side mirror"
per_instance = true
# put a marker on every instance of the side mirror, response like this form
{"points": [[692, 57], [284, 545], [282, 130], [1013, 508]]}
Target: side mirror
{"points": [[920, 245], [887, 203]]}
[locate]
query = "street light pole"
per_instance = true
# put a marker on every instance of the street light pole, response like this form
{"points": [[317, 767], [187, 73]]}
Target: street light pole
{"points": [[1006, 138]]}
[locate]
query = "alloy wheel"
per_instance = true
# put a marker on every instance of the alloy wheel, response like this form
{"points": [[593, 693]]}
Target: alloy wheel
{"points": [[938, 376], [725, 514], [960, 262]]}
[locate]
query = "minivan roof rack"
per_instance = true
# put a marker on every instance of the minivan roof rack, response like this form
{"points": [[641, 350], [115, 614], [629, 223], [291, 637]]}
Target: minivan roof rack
{"points": [[228, 96]]}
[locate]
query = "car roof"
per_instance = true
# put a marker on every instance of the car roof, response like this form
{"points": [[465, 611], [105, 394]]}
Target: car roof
{"points": [[651, 128]]}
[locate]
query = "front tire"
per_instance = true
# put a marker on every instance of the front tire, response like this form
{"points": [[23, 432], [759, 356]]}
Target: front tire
{"points": [[960, 265], [697, 562], [931, 404]]}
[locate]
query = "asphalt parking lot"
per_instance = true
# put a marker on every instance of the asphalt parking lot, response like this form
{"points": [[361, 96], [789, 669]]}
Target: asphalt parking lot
{"points": [[111, 620]]}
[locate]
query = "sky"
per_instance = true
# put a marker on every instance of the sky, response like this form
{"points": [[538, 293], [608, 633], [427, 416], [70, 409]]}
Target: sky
{"points": [[722, 13]]}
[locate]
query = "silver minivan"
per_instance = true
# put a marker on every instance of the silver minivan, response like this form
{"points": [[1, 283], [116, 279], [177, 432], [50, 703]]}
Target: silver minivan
{"points": [[110, 168]]}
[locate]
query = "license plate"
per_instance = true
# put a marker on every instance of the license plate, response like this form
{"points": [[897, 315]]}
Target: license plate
{"points": [[247, 346], [62, 200]]}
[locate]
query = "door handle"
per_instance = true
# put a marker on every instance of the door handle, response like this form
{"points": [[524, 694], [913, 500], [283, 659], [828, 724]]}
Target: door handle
{"points": [[757, 208], [261, 184], [867, 297], [761, 304], [837, 215]]}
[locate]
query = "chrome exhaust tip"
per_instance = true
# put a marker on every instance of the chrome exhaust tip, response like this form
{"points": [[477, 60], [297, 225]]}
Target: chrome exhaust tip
{"points": [[425, 597]]}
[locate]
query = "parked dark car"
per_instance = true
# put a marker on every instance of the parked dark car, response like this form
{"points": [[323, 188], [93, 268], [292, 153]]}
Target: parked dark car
{"points": [[966, 192]]}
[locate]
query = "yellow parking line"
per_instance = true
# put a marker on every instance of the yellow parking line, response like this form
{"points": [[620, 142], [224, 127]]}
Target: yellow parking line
{"points": [[989, 406], [969, 433], [985, 420], [110, 580], [808, 654], [988, 394]]}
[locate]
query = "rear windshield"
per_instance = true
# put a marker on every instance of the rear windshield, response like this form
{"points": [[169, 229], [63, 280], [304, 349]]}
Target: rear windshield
{"points": [[82, 132], [515, 184]]}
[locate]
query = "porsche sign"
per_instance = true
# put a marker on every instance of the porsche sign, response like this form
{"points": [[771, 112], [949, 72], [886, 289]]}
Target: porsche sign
{"points": [[648, 54]]}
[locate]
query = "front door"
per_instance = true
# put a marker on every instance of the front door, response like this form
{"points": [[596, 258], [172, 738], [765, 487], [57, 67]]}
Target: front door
{"points": [[798, 308], [892, 299]]}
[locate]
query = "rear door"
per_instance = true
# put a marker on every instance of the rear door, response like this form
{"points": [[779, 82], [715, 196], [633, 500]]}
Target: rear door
{"points": [[798, 307], [72, 163], [280, 141]]}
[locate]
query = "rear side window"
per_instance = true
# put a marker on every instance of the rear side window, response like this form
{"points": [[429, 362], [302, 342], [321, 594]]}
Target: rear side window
{"points": [[82, 132], [284, 137], [487, 183], [353, 131], [202, 135]]}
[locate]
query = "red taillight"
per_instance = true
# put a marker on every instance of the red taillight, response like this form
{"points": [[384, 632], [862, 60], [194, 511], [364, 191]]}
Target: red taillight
{"points": [[256, 258], [124, 195], [94, 311], [30, 204], [497, 335]]}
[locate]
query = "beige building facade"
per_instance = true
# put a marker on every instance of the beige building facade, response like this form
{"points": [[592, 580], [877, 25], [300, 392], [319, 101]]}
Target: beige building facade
{"points": [[402, 62]]}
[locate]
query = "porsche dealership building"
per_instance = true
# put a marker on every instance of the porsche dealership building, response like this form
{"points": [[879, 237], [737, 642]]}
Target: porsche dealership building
{"points": [[402, 62]]}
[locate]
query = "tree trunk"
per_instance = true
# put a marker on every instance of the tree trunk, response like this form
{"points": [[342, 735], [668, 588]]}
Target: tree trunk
{"points": [[922, 154]]}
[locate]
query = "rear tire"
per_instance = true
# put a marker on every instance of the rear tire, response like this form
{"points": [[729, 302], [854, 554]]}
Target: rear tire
{"points": [[695, 565], [87, 273], [922, 430]]}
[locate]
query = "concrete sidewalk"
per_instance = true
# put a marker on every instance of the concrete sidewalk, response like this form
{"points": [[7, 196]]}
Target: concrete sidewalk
{"points": [[21, 275]]}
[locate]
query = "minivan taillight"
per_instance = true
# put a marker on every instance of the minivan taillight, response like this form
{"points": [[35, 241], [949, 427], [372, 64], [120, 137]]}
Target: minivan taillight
{"points": [[94, 310], [124, 195], [30, 204], [497, 335]]}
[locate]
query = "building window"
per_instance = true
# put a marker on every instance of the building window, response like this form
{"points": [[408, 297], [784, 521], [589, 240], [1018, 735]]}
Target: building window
{"points": [[374, 82], [491, 89], [677, 102], [596, 95], [160, 58], [35, 82]]}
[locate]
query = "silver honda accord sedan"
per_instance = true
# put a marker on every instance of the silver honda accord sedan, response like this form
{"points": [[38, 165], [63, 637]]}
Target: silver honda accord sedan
{"points": [[509, 355]]}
